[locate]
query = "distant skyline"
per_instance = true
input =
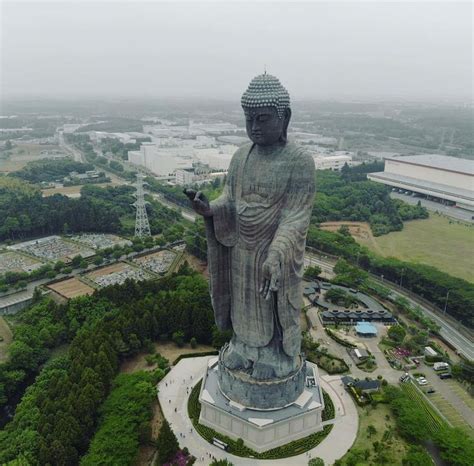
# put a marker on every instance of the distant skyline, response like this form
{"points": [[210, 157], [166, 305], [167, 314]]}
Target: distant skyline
{"points": [[334, 50]]}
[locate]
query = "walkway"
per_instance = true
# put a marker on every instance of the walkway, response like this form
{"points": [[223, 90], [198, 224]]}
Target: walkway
{"points": [[172, 394]]}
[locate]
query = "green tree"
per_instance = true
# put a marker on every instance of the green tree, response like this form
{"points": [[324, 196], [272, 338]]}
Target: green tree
{"points": [[397, 333], [457, 447], [417, 456], [167, 444], [371, 430], [178, 338], [312, 272], [316, 462]]}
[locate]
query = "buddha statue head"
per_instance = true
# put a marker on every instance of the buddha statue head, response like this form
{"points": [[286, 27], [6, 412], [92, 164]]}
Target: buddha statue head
{"points": [[266, 104]]}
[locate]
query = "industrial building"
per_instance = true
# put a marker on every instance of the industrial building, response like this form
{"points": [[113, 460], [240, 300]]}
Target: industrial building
{"points": [[332, 162], [441, 178]]}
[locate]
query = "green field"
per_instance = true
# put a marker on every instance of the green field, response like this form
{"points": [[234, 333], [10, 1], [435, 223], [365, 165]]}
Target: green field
{"points": [[445, 244], [382, 419]]}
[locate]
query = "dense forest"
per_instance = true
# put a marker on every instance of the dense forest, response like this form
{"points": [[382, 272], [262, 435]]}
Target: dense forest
{"points": [[27, 214], [60, 411], [50, 170], [344, 196]]}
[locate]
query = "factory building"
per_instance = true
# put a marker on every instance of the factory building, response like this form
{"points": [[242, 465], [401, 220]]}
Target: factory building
{"points": [[446, 179]]}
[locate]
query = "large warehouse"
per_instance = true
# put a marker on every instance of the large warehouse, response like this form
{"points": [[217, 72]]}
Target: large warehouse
{"points": [[440, 177]]}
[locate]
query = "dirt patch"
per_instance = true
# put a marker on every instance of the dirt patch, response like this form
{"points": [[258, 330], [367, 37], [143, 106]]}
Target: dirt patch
{"points": [[71, 191], [198, 265], [360, 231], [6, 337], [167, 349], [71, 288], [117, 267]]}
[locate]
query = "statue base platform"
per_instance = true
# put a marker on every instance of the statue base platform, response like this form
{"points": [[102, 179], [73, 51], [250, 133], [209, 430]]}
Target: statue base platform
{"points": [[262, 429], [239, 387]]}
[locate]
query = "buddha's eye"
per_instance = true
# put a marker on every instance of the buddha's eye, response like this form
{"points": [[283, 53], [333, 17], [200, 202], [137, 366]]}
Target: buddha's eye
{"points": [[262, 118]]}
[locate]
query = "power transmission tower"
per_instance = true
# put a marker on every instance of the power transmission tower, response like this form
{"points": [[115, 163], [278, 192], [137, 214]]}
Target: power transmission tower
{"points": [[142, 226]]}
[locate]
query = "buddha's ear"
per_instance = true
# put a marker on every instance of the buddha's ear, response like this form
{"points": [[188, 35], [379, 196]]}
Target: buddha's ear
{"points": [[286, 122]]}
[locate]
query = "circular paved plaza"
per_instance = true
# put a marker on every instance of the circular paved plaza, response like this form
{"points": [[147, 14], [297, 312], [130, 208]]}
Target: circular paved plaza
{"points": [[173, 393]]}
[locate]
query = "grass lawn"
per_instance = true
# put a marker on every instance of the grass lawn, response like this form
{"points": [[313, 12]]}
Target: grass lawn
{"points": [[445, 244], [381, 418], [23, 153]]}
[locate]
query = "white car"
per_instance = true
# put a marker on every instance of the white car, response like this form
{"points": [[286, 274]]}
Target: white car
{"points": [[422, 381]]}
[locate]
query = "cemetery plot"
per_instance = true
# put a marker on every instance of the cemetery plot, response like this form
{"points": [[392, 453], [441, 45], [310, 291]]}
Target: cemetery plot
{"points": [[16, 262], [53, 248], [71, 288], [158, 262], [100, 241], [117, 274]]}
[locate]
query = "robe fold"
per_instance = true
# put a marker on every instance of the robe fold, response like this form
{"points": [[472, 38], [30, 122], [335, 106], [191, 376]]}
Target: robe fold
{"points": [[265, 207]]}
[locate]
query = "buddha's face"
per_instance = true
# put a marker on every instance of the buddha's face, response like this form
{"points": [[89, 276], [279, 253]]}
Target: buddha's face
{"points": [[264, 127]]}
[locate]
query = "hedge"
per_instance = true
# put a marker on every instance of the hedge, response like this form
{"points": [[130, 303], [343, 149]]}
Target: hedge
{"points": [[341, 341], [235, 447], [195, 355]]}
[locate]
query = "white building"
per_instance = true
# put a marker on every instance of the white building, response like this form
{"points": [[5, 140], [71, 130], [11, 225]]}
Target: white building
{"points": [[437, 176], [331, 162], [185, 177], [161, 161]]}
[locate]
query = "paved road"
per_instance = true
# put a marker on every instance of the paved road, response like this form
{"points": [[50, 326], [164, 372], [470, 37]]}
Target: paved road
{"points": [[462, 343], [172, 395], [78, 157], [453, 212], [187, 214]]}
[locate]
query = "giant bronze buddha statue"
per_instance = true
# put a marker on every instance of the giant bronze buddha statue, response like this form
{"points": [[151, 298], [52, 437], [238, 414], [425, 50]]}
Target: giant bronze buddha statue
{"points": [[256, 232]]}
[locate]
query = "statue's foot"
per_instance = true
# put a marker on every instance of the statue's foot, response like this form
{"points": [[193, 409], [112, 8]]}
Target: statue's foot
{"points": [[262, 371], [233, 360]]}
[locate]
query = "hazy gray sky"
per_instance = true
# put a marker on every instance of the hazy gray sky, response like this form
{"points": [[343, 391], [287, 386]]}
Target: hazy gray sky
{"points": [[318, 50]]}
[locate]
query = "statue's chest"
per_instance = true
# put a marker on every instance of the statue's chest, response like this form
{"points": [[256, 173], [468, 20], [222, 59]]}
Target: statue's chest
{"points": [[267, 179]]}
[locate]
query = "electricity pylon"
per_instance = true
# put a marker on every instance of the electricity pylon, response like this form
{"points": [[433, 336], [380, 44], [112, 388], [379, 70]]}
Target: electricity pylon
{"points": [[142, 226]]}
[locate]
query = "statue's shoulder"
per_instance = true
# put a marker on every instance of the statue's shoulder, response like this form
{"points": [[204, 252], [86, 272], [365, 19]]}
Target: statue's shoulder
{"points": [[239, 155], [299, 155], [242, 151]]}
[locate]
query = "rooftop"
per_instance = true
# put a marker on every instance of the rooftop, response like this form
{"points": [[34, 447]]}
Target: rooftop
{"points": [[365, 328], [440, 162]]}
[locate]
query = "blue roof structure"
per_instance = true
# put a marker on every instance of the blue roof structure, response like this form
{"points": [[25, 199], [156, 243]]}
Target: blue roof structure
{"points": [[366, 328]]}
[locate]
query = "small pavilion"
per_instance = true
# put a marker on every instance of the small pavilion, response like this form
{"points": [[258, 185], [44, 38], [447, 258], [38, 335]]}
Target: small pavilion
{"points": [[366, 329]]}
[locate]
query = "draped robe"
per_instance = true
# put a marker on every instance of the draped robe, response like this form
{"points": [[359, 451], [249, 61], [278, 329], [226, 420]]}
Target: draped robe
{"points": [[265, 207]]}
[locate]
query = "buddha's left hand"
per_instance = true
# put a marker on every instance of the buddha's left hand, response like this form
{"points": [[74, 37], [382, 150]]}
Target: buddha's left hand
{"points": [[271, 275]]}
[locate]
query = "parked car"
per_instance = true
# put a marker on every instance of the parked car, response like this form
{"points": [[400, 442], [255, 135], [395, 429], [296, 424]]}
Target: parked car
{"points": [[422, 381], [431, 390], [446, 375]]}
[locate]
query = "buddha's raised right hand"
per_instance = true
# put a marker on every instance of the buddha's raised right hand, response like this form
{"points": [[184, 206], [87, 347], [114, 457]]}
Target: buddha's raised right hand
{"points": [[199, 202]]}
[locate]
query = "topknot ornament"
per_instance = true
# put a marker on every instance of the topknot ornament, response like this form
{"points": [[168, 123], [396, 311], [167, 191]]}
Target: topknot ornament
{"points": [[266, 90]]}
